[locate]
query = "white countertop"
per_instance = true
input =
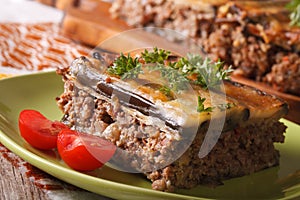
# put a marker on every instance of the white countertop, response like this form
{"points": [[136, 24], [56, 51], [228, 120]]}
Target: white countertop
{"points": [[28, 11]]}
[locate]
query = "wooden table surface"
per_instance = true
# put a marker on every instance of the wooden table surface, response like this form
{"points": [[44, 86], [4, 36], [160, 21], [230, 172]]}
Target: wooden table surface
{"points": [[20, 180]]}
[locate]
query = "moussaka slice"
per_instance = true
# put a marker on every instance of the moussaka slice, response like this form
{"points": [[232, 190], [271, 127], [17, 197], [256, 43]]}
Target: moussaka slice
{"points": [[179, 121]]}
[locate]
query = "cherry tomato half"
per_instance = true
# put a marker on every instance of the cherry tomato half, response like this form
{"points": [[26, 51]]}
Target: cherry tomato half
{"points": [[39, 131], [83, 152]]}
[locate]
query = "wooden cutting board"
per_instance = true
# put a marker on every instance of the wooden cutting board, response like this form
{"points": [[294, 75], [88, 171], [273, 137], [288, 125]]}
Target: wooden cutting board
{"points": [[92, 24]]}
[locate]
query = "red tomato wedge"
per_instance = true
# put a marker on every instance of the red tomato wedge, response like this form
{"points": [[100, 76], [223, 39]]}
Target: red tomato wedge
{"points": [[39, 131], [84, 152]]}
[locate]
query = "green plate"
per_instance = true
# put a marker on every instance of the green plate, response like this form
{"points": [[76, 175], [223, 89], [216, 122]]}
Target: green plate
{"points": [[38, 91]]}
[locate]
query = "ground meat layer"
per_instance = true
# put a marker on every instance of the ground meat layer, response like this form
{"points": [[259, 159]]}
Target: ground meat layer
{"points": [[238, 152], [257, 42]]}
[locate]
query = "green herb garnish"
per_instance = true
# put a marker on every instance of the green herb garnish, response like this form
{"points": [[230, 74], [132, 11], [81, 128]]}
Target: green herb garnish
{"points": [[133, 73], [191, 69], [155, 56], [294, 7], [123, 66], [208, 74], [200, 107], [166, 91], [226, 106], [222, 107], [175, 80]]}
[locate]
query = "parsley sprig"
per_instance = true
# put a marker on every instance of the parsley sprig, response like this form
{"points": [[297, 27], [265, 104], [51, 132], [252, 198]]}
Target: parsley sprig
{"points": [[166, 91], [226, 106], [133, 73], [175, 80], [125, 67], [294, 7], [208, 74], [155, 56], [200, 107], [177, 74], [221, 107]]}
